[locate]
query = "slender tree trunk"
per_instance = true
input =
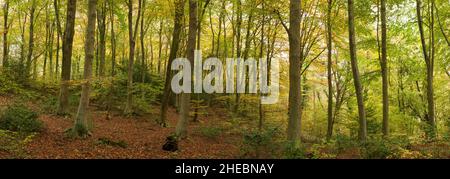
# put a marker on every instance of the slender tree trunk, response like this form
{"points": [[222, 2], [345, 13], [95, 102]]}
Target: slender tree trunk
{"points": [[143, 49], [295, 97], [59, 36], [132, 40], [102, 37], [178, 19], [429, 60], [22, 47], [47, 37], [52, 36], [356, 75], [5, 33], [67, 57], [238, 46], [160, 46], [330, 72], [81, 129], [246, 51], [181, 129], [113, 60], [384, 69], [31, 39], [261, 55]]}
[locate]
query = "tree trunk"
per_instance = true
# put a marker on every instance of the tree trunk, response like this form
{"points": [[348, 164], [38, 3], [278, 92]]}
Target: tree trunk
{"points": [[238, 45], [330, 72], [181, 129], [132, 40], [356, 75], [384, 69], [178, 20], [102, 39], [30, 40], [261, 55], [67, 57], [160, 46], [295, 97], [81, 128], [59, 36], [429, 60], [113, 60], [246, 51], [142, 37], [5, 33]]}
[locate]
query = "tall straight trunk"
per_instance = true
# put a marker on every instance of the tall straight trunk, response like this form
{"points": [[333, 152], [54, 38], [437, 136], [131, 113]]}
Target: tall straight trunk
{"points": [[31, 39], [59, 36], [132, 40], [261, 55], [113, 60], [181, 128], [200, 20], [67, 57], [329, 71], [246, 51], [384, 69], [160, 46], [356, 75], [102, 37], [295, 97], [5, 33], [429, 60], [22, 47], [58, 48], [238, 45], [142, 37], [81, 128], [52, 36], [47, 40], [113, 39], [178, 24]]}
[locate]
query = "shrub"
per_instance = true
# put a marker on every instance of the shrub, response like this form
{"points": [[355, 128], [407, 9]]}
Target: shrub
{"points": [[49, 105], [19, 118], [390, 148], [14, 143], [294, 151], [114, 91], [376, 149], [343, 143], [260, 144], [211, 132]]}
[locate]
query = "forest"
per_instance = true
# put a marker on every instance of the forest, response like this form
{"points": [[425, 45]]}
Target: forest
{"points": [[353, 79]]}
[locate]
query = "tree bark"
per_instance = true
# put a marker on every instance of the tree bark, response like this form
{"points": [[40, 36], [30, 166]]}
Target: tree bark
{"points": [[295, 97], [101, 15], [67, 57], [181, 129], [356, 75], [132, 40], [178, 24], [81, 128], [384, 69], [31, 39], [329, 71], [429, 60], [5, 34]]}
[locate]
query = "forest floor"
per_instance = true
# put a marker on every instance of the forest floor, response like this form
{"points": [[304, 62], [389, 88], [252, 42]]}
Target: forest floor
{"points": [[141, 138]]}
